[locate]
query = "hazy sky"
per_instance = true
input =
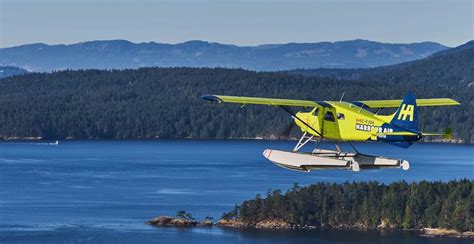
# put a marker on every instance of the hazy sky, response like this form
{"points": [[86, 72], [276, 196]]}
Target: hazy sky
{"points": [[243, 22]]}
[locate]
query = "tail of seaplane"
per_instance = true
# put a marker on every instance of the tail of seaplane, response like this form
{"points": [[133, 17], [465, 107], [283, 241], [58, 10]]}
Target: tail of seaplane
{"points": [[406, 116], [404, 124]]}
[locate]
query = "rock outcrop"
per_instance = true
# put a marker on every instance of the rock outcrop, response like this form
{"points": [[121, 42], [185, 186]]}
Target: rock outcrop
{"points": [[233, 223], [442, 232], [178, 222], [171, 221], [264, 224]]}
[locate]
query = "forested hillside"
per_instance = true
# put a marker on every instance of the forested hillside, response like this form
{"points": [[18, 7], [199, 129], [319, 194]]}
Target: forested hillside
{"points": [[453, 67], [366, 205], [165, 103], [6, 71]]}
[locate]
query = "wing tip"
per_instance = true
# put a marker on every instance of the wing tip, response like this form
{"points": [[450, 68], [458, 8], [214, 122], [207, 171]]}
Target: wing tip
{"points": [[449, 102], [212, 98]]}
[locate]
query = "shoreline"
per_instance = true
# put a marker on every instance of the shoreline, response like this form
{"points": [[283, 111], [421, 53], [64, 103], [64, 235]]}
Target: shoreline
{"points": [[284, 225], [39, 139], [280, 225]]}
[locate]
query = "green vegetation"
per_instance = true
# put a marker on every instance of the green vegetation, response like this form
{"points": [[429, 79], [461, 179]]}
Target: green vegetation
{"points": [[6, 71], [367, 204], [181, 214], [452, 68], [165, 103]]}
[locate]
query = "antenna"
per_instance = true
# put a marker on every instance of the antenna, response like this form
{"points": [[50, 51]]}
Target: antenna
{"points": [[344, 92]]}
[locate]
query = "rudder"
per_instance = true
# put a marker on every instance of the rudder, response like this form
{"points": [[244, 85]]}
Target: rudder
{"points": [[406, 117]]}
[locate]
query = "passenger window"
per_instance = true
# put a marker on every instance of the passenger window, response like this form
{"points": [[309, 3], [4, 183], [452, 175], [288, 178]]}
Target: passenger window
{"points": [[329, 116], [341, 116], [315, 112]]}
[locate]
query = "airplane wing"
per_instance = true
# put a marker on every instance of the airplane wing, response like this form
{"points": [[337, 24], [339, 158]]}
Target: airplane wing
{"points": [[308, 103], [261, 101], [396, 103]]}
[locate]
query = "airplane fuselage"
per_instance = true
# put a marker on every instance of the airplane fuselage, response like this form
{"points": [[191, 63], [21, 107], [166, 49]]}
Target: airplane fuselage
{"points": [[349, 122]]}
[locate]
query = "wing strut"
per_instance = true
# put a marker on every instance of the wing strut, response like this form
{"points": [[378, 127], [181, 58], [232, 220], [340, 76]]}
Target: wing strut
{"points": [[294, 116]]}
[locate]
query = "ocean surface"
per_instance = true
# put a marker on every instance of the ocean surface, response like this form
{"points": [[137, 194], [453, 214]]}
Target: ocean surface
{"points": [[104, 191]]}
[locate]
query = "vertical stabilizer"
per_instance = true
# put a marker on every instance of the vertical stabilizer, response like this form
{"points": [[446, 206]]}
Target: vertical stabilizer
{"points": [[406, 117]]}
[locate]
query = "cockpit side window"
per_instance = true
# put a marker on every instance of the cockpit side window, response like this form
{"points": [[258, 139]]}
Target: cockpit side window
{"points": [[315, 112], [329, 116], [340, 116]]}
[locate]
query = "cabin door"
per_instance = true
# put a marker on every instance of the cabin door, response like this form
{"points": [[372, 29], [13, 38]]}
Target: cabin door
{"points": [[329, 124]]}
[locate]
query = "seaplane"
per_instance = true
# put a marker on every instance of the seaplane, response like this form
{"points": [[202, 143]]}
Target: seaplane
{"points": [[346, 121]]}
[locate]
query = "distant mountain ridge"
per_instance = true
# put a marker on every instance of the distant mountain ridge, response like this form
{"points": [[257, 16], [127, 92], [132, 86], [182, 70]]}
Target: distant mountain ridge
{"points": [[121, 54], [450, 67]]}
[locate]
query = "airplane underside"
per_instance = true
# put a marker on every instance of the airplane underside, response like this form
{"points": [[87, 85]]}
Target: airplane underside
{"points": [[320, 159]]}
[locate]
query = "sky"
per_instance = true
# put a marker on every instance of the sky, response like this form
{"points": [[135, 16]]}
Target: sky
{"points": [[244, 22]]}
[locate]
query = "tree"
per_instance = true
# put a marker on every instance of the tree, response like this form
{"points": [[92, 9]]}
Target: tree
{"points": [[181, 214], [208, 218], [403, 205], [164, 102], [189, 216]]}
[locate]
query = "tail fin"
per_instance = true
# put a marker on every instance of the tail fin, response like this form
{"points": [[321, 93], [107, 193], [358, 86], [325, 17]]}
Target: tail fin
{"points": [[406, 116]]}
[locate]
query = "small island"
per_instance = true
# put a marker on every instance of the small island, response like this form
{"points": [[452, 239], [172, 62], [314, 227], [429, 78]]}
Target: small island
{"points": [[182, 219], [433, 208]]}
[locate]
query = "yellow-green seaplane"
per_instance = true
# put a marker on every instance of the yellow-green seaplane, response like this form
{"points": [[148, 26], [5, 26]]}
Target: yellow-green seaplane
{"points": [[350, 122]]}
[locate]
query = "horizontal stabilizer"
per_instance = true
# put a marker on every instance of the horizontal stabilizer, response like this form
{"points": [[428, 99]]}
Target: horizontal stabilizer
{"points": [[396, 103], [448, 134], [397, 133], [433, 134]]}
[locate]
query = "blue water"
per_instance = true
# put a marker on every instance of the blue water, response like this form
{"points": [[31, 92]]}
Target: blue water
{"points": [[103, 191]]}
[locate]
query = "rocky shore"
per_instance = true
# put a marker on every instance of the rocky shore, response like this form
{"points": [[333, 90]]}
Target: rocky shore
{"points": [[278, 224], [185, 222], [442, 232], [275, 224], [179, 221]]}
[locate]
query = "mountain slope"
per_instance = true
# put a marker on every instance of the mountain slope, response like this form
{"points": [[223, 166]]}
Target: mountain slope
{"points": [[451, 67], [120, 54]]}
